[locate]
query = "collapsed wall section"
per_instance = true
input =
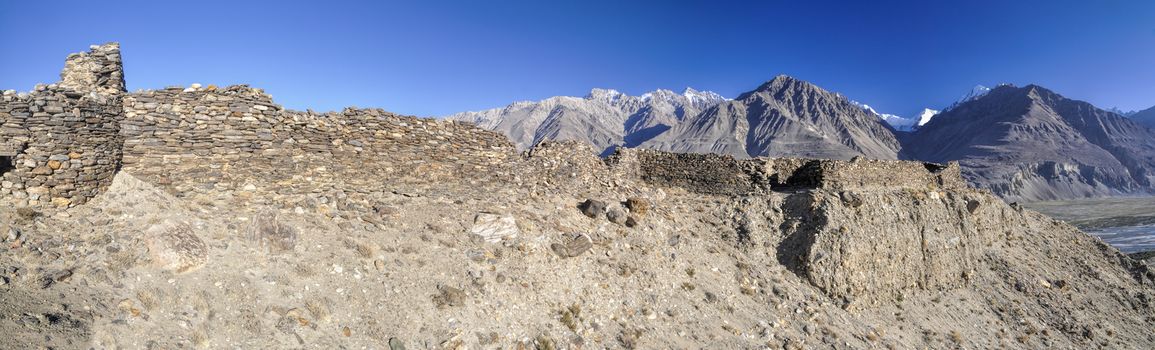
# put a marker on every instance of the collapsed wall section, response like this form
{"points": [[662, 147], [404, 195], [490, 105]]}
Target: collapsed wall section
{"points": [[99, 70]]}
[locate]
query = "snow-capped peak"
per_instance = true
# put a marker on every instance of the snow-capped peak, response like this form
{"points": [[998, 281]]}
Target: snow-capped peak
{"points": [[704, 96], [864, 107], [925, 115], [975, 93], [604, 94], [897, 122]]}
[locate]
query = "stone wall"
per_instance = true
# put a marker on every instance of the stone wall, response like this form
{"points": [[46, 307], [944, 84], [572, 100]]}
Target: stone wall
{"points": [[62, 146], [236, 137], [718, 174]]}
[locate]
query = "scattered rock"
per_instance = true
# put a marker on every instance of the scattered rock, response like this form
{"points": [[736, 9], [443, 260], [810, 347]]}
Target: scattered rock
{"points": [[592, 208], [616, 216], [494, 228], [574, 245], [448, 296], [396, 344], [973, 205], [631, 222], [12, 235], [851, 199]]}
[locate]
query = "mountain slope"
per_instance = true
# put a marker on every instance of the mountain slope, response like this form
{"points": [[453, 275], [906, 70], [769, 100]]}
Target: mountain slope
{"points": [[1030, 143], [1145, 117], [603, 118], [784, 117]]}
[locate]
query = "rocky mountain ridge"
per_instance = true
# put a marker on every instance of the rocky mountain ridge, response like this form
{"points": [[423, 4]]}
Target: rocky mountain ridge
{"points": [[785, 117], [997, 140], [604, 118], [1030, 143]]}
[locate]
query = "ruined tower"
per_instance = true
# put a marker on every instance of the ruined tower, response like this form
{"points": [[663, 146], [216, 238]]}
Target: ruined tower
{"points": [[60, 144]]}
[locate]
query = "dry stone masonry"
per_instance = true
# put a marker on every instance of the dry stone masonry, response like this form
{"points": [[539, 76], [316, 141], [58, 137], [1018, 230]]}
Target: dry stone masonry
{"points": [[237, 138], [60, 144]]}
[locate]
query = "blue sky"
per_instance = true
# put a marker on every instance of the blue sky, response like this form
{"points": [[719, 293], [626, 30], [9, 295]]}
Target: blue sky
{"points": [[440, 57]]}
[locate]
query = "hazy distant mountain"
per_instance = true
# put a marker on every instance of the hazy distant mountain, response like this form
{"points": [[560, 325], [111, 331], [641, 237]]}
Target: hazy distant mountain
{"points": [[605, 118], [784, 117], [1145, 117], [1121, 112], [900, 123], [1030, 143]]}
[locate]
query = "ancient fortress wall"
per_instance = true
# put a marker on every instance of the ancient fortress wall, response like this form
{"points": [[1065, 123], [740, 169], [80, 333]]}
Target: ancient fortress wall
{"points": [[60, 144], [724, 175], [224, 138]]}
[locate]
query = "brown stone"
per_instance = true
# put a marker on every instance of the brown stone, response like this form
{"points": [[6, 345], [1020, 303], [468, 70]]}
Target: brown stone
{"points": [[42, 170], [61, 202]]}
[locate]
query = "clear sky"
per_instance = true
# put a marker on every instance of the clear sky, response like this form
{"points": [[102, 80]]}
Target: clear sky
{"points": [[438, 57]]}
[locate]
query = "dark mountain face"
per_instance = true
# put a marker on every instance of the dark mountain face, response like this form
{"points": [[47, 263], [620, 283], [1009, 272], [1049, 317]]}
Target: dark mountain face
{"points": [[1145, 117], [784, 117], [1030, 143]]}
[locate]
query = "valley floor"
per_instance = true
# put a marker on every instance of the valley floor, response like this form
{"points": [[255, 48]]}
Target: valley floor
{"points": [[1127, 223]]}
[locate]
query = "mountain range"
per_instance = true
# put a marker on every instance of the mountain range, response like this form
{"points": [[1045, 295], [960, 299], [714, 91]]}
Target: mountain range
{"points": [[1022, 143], [604, 118]]}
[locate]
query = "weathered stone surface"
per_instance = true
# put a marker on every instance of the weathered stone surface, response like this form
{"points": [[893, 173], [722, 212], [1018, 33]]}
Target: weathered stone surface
{"points": [[494, 228], [175, 247]]}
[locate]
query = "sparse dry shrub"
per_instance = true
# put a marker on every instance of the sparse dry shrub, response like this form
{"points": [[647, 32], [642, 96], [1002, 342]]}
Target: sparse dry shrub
{"points": [[27, 214], [148, 299], [273, 234], [318, 309]]}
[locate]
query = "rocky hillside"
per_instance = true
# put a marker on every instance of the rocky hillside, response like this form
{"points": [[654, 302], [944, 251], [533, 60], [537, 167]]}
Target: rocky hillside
{"points": [[234, 223], [603, 118], [1030, 143], [785, 117]]}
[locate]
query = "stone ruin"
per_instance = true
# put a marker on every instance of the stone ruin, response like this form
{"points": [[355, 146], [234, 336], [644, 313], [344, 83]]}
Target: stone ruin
{"points": [[62, 143]]}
